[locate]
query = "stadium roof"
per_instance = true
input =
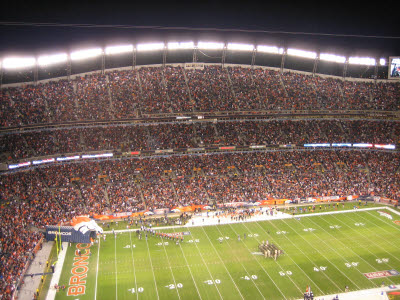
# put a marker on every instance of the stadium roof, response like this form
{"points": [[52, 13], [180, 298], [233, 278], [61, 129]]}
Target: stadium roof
{"points": [[51, 27]]}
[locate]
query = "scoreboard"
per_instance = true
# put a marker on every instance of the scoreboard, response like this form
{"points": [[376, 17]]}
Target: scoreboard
{"points": [[394, 67]]}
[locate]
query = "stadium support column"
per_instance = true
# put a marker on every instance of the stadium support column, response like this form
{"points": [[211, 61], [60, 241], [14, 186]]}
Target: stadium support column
{"points": [[35, 73], [223, 55], [253, 58], [164, 57], [346, 63], [103, 62], [1, 76], [316, 61], [195, 49], [134, 58], [69, 68], [283, 59], [376, 69]]}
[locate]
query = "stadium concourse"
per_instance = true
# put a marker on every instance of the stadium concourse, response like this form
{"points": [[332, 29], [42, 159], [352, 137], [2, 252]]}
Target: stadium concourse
{"points": [[182, 138]]}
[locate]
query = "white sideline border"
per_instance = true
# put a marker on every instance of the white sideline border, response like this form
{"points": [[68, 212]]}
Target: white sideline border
{"points": [[279, 216], [51, 294]]}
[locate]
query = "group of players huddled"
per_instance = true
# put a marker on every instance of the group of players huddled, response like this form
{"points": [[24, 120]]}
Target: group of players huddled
{"points": [[176, 237]]}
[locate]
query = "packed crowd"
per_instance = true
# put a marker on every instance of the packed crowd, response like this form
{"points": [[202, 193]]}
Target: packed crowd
{"points": [[191, 135], [121, 94], [54, 194], [36, 197]]}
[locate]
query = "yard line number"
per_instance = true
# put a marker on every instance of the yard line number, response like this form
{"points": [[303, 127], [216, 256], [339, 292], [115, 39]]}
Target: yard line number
{"points": [[210, 282], [352, 264], [173, 286], [283, 273], [254, 277], [138, 290]]}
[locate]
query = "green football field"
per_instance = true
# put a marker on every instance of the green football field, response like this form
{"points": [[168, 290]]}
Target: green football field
{"points": [[327, 252]]}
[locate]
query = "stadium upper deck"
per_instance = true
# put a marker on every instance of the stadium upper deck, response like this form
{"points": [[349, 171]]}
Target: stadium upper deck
{"points": [[172, 90]]}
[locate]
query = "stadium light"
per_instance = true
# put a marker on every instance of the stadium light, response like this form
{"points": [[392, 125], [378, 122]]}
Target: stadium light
{"points": [[118, 49], [332, 58], [269, 49], [150, 47], [180, 45], [46, 60], [18, 62], [301, 53], [382, 62], [210, 46], [240, 47], [88, 53], [367, 61]]}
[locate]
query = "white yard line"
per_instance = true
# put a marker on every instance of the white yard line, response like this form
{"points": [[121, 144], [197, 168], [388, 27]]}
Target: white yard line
{"points": [[265, 271], [305, 255], [169, 265], [133, 266], [51, 294], [397, 227], [258, 224], [393, 210], [97, 269], [280, 267], [321, 253], [116, 271], [247, 273], [226, 269], [349, 248], [151, 265], [190, 271], [205, 264], [383, 249]]}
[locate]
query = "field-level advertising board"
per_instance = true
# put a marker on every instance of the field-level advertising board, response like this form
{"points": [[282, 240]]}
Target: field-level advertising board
{"points": [[394, 68]]}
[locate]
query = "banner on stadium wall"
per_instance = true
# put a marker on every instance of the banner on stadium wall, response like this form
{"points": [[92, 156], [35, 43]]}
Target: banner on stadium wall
{"points": [[194, 66], [387, 200], [181, 209], [68, 234], [81, 230]]}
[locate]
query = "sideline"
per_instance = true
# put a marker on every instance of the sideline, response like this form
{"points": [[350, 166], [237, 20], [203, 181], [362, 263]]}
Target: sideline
{"points": [[369, 294], [210, 221], [51, 294]]}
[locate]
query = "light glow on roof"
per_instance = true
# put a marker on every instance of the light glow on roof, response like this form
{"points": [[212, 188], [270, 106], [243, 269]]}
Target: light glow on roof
{"points": [[18, 62], [180, 45], [367, 61], [46, 60], [269, 49], [150, 47], [332, 58], [301, 53], [210, 46], [118, 49], [87, 53], [240, 47]]}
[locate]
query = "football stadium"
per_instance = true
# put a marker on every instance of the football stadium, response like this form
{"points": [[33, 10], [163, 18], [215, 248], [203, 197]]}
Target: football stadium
{"points": [[199, 169]]}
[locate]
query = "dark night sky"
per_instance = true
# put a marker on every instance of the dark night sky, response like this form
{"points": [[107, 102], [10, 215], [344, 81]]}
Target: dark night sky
{"points": [[358, 18]]}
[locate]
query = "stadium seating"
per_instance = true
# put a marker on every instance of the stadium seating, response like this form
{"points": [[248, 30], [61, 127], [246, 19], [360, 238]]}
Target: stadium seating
{"points": [[53, 194]]}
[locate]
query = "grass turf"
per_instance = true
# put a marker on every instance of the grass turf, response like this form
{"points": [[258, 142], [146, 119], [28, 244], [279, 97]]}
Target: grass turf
{"points": [[326, 252]]}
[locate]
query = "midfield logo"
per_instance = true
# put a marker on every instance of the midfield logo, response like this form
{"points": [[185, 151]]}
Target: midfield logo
{"points": [[385, 214]]}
